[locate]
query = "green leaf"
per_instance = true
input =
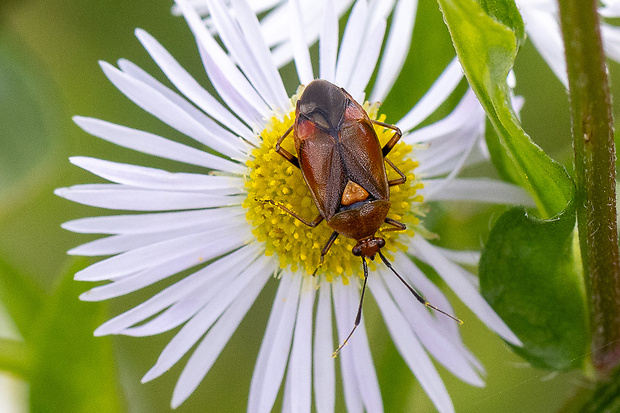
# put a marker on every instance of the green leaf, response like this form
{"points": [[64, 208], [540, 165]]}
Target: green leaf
{"points": [[21, 296], [486, 38], [531, 277], [73, 371]]}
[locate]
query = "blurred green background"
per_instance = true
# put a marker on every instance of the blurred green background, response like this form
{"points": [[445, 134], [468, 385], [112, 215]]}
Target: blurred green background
{"points": [[49, 72]]}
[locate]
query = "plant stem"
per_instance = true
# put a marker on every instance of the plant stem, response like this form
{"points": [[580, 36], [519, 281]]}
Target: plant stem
{"points": [[595, 174]]}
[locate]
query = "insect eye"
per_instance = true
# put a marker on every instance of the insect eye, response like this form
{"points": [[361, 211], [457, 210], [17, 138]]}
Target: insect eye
{"points": [[357, 250], [380, 242]]}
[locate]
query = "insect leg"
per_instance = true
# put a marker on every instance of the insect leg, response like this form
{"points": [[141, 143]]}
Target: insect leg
{"points": [[393, 141], [397, 226], [295, 215], [326, 248], [286, 154], [397, 181], [358, 318]]}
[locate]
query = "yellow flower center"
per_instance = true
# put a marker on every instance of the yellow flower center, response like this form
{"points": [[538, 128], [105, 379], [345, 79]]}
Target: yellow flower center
{"points": [[298, 246]]}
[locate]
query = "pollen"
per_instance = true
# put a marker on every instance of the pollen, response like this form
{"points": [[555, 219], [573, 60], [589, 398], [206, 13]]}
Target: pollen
{"points": [[272, 182]]}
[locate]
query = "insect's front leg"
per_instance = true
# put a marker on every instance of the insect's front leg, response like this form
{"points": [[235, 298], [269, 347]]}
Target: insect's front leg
{"points": [[286, 154]]}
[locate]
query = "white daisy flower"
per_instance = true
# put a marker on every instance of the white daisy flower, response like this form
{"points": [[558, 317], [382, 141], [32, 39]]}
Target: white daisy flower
{"points": [[217, 224]]}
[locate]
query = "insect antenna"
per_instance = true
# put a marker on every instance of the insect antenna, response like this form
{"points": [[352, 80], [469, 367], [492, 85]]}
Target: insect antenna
{"points": [[359, 311], [416, 294]]}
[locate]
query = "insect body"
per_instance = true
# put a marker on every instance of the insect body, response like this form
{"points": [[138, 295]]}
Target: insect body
{"points": [[343, 165]]}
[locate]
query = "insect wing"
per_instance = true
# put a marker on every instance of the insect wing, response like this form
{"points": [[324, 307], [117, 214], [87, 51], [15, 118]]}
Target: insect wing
{"points": [[360, 151], [321, 166]]}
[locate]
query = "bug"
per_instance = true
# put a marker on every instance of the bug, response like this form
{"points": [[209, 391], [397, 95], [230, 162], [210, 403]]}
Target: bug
{"points": [[343, 165]]}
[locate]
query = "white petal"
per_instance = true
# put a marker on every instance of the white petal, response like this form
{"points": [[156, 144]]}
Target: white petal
{"points": [[189, 86], [276, 345], [144, 278], [206, 316], [299, 383], [428, 331], [229, 82], [214, 129], [412, 351], [155, 145], [328, 43], [477, 190], [367, 60], [453, 276], [436, 95], [150, 223], [324, 374], [467, 113], [239, 48], [298, 41], [112, 196], [214, 342], [151, 178], [253, 35], [396, 48], [239, 260], [357, 352], [611, 40], [417, 279], [344, 310], [166, 110], [351, 43], [545, 33], [217, 242]]}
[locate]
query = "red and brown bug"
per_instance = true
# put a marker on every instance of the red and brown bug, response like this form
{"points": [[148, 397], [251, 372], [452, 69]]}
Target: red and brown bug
{"points": [[343, 165]]}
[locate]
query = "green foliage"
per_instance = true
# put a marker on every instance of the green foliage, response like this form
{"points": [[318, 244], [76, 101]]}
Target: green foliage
{"points": [[487, 48], [529, 270], [533, 281], [67, 368], [73, 371], [26, 135]]}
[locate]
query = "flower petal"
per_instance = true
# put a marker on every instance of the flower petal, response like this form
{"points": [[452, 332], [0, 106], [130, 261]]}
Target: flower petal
{"points": [[150, 223], [298, 41], [356, 362], [238, 260], [476, 190], [276, 345], [328, 43], [396, 48], [216, 242], [151, 178], [436, 95], [410, 348], [113, 196], [299, 376], [166, 110], [189, 86], [155, 145], [454, 276], [216, 339], [324, 375]]}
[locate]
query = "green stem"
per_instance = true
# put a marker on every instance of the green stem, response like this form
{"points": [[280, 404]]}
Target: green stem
{"points": [[14, 357], [595, 175]]}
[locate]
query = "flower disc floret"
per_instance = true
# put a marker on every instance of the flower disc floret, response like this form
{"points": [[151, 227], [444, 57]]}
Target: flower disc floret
{"points": [[271, 178]]}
